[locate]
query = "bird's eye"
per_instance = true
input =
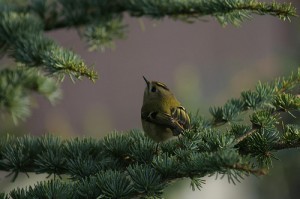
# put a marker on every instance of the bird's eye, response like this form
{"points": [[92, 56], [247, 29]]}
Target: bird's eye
{"points": [[153, 89]]}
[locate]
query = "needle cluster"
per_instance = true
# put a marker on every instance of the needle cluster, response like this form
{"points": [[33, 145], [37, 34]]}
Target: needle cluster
{"points": [[128, 164]]}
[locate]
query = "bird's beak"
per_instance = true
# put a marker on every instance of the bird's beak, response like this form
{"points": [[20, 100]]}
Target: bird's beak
{"points": [[147, 82]]}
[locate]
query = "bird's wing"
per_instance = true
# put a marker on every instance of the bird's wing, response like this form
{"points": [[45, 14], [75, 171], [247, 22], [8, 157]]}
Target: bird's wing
{"points": [[179, 113], [177, 121]]}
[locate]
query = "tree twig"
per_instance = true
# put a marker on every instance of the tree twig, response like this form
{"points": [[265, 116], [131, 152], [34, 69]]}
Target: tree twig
{"points": [[247, 134], [284, 145], [240, 167]]}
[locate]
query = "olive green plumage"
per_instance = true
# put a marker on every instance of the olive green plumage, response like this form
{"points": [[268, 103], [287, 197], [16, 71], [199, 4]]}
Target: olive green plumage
{"points": [[162, 114]]}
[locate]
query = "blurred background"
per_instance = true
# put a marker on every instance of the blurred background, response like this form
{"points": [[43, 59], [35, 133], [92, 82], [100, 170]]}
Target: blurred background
{"points": [[203, 63]]}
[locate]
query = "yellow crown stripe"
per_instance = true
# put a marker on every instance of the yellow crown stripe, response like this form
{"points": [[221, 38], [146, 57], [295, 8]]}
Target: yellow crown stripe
{"points": [[161, 85]]}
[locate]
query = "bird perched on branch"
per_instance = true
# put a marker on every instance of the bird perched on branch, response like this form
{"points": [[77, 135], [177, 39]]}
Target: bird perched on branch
{"points": [[162, 114]]}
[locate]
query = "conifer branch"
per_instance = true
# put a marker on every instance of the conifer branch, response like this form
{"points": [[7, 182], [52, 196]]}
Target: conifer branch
{"points": [[101, 23], [246, 135], [232, 11], [23, 38], [283, 145], [290, 138], [129, 165], [90, 13], [247, 169], [16, 85], [273, 96]]}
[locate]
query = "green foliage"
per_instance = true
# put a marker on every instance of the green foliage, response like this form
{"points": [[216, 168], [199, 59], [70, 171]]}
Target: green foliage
{"points": [[231, 11], [291, 135], [49, 189], [127, 165], [239, 130], [3, 196], [22, 37], [84, 157], [16, 85], [102, 19], [264, 119], [50, 161], [146, 180], [17, 156], [266, 96], [165, 164], [22, 24], [124, 165], [102, 34], [286, 102], [142, 149], [87, 188], [197, 183], [113, 184], [261, 144]]}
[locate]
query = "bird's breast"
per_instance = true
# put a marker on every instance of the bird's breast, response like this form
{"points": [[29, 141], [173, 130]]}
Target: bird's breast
{"points": [[157, 132]]}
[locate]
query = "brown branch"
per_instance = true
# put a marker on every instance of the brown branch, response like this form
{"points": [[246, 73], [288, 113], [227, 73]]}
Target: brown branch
{"points": [[120, 8], [246, 168], [246, 135], [284, 145]]}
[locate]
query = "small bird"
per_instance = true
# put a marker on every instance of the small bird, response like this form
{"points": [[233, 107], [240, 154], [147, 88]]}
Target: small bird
{"points": [[162, 114]]}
